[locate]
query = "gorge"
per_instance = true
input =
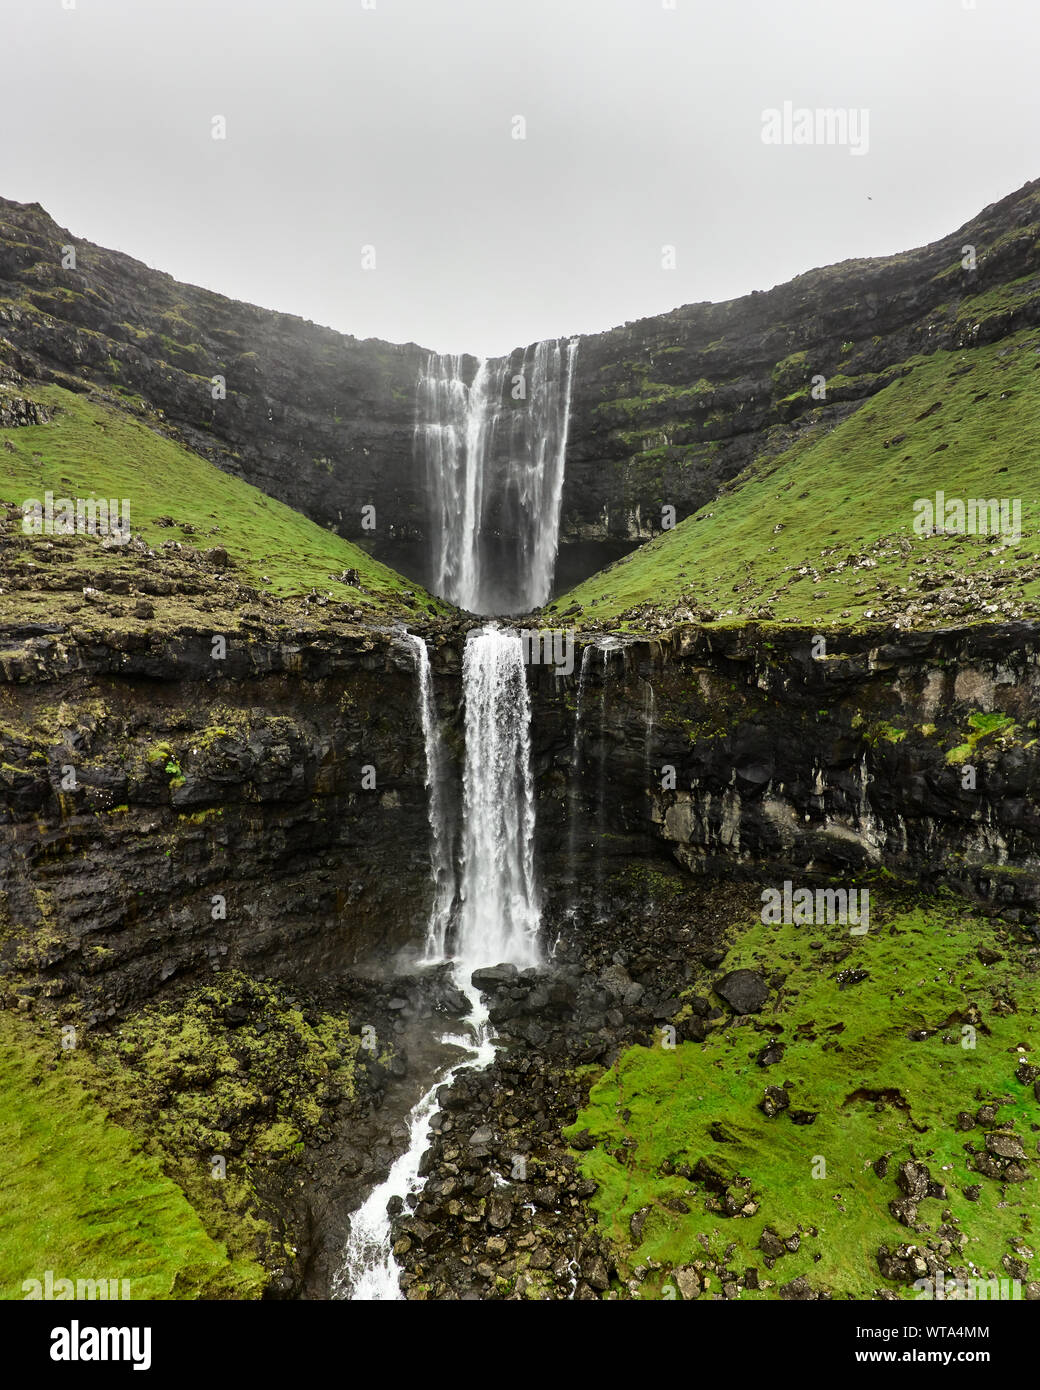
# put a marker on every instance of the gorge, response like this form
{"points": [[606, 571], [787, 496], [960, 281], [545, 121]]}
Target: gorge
{"points": [[459, 961]]}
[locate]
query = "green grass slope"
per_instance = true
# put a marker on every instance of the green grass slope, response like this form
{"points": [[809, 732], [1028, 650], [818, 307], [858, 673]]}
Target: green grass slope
{"points": [[81, 1199], [824, 533], [90, 448], [872, 1035]]}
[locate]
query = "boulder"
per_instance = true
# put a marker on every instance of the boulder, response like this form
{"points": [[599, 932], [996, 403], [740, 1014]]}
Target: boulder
{"points": [[745, 991], [774, 1101], [489, 977]]}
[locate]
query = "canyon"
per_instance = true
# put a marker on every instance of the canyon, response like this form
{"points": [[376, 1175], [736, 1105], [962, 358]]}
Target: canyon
{"points": [[370, 813], [665, 410]]}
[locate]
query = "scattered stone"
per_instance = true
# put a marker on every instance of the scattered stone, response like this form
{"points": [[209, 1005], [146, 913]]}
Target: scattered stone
{"points": [[770, 1244], [774, 1101], [745, 991], [904, 1209], [912, 1179], [770, 1055], [499, 1211], [1005, 1145], [798, 1290], [489, 977]]}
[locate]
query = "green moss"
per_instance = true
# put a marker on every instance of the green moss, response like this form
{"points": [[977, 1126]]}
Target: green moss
{"points": [[790, 373], [202, 817], [648, 883], [235, 1071], [884, 733], [781, 535], [92, 449], [1004, 299], [982, 726], [80, 1197], [880, 1061]]}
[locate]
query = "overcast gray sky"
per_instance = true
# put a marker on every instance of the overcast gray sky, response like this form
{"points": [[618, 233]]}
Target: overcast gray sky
{"points": [[390, 123]]}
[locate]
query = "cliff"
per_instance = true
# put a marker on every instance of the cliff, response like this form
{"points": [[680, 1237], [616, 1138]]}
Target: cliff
{"points": [[664, 410]]}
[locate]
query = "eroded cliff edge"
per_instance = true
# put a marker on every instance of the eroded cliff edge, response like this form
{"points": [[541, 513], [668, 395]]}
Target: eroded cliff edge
{"points": [[289, 779]]}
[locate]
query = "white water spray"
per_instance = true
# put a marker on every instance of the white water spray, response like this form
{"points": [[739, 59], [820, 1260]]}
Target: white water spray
{"points": [[573, 809], [606, 645], [442, 870], [500, 912], [499, 919], [495, 466]]}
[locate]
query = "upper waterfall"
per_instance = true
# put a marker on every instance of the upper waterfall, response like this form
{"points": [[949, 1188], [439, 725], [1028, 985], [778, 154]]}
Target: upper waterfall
{"points": [[493, 444]]}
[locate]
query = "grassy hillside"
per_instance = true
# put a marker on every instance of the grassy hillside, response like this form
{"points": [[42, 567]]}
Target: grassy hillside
{"points": [[868, 1036], [90, 448], [825, 532], [80, 1197]]}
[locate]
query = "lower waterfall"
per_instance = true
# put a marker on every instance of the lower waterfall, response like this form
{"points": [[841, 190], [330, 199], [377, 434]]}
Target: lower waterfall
{"points": [[499, 917], [500, 914], [442, 870]]}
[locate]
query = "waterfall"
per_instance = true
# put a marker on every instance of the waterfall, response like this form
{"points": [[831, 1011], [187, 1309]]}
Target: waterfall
{"points": [[499, 917], [369, 1272], [494, 449], [442, 870], [606, 645], [500, 914], [575, 773], [649, 715]]}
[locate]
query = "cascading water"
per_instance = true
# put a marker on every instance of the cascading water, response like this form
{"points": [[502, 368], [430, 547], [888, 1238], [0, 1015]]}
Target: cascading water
{"points": [[606, 645], [649, 715], [494, 442], [575, 775], [494, 447], [442, 870], [369, 1272], [499, 917]]}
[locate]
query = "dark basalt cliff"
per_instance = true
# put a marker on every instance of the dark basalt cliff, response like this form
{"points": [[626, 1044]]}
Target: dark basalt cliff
{"points": [[163, 814], [319, 419], [667, 409], [738, 752], [247, 783], [664, 410]]}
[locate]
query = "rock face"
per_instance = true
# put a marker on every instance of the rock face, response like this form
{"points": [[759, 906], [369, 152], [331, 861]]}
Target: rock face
{"points": [[319, 419], [246, 787], [199, 794], [664, 410], [163, 814], [761, 758]]}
